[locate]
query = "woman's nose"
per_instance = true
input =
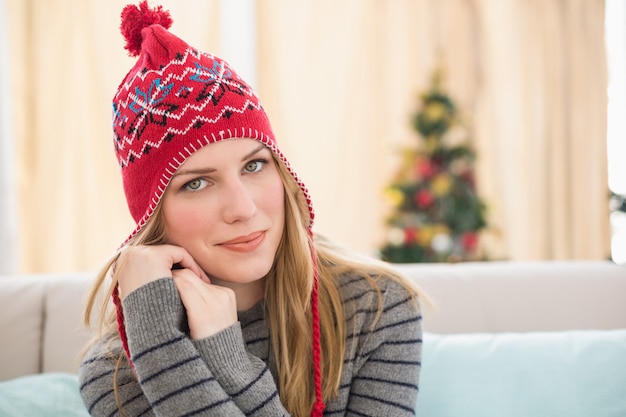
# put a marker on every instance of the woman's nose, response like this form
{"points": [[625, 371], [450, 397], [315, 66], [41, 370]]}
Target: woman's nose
{"points": [[238, 202]]}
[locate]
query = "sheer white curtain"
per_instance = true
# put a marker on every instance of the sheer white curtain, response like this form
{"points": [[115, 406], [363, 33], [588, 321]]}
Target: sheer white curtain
{"points": [[8, 194], [341, 80]]}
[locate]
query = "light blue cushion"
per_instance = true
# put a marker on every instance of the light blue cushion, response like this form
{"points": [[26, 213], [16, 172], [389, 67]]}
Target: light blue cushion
{"points": [[542, 374], [42, 395]]}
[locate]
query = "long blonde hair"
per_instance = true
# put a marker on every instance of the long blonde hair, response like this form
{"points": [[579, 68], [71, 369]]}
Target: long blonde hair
{"points": [[287, 300]]}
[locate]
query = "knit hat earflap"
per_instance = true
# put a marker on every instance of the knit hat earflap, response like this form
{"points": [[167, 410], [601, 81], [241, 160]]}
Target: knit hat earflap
{"points": [[174, 101]]}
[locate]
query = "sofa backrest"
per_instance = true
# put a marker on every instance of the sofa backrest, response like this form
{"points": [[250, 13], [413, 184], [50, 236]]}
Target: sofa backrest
{"points": [[41, 315], [498, 297]]}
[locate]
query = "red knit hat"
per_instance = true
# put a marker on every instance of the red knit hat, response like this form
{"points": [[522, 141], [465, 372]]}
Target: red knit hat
{"points": [[174, 101]]}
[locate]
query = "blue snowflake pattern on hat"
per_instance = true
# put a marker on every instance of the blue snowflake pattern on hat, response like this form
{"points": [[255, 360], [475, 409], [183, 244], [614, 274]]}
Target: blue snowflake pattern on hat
{"points": [[143, 100], [218, 71]]}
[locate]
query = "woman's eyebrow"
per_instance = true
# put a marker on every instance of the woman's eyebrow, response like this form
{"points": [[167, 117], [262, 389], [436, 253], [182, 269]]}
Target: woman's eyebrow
{"points": [[197, 171], [250, 154]]}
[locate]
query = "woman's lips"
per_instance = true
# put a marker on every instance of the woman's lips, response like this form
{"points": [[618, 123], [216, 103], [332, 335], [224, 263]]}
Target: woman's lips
{"points": [[246, 243]]}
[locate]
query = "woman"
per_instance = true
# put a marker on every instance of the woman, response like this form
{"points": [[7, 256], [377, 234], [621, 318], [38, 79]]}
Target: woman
{"points": [[225, 303]]}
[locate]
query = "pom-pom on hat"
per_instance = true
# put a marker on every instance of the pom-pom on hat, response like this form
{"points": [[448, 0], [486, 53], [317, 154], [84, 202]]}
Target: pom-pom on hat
{"points": [[175, 100]]}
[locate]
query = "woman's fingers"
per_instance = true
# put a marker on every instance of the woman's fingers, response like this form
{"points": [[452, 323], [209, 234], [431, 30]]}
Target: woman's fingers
{"points": [[210, 308], [139, 265], [183, 260]]}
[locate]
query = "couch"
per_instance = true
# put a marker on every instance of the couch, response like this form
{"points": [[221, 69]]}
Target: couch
{"points": [[501, 339]]}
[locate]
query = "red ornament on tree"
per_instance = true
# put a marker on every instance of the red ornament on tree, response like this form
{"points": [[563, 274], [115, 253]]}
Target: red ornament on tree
{"points": [[410, 235], [469, 241], [424, 198], [425, 168]]}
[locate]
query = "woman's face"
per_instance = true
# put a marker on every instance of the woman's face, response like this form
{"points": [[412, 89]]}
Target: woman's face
{"points": [[225, 206]]}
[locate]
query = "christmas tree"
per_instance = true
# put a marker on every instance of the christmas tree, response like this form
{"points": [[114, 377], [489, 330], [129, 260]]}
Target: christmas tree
{"points": [[437, 214]]}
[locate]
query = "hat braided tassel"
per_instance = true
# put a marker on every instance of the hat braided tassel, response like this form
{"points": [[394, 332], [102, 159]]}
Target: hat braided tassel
{"points": [[318, 407], [119, 315]]}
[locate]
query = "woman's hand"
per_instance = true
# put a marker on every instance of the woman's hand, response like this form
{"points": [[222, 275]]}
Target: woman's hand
{"points": [[139, 265], [210, 308]]}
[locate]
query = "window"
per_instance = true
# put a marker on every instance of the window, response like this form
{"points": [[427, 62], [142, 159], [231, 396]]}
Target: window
{"points": [[615, 24]]}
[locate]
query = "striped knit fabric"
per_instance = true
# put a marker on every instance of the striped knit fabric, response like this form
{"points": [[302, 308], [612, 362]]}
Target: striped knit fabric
{"points": [[232, 373]]}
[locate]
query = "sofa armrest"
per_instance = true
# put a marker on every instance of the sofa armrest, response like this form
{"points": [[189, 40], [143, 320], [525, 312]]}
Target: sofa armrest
{"points": [[41, 322], [21, 321]]}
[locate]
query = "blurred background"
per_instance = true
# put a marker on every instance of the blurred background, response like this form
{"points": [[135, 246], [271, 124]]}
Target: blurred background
{"points": [[539, 88]]}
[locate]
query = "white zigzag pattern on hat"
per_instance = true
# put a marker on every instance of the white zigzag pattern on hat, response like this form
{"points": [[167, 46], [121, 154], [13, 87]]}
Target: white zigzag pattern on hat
{"points": [[190, 51], [188, 69], [157, 144]]}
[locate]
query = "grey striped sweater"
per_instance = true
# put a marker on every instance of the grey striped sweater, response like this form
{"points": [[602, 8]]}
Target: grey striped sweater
{"points": [[231, 373]]}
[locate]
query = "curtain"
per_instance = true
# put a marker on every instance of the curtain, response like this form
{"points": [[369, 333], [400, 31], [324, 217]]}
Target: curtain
{"points": [[542, 127], [8, 191], [341, 79]]}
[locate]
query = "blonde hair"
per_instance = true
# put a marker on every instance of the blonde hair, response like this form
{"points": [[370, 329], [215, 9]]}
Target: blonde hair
{"points": [[287, 300]]}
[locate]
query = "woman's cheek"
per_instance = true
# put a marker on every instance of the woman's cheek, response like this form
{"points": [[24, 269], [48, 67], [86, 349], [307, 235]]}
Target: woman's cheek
{"points": [[186, 218]]}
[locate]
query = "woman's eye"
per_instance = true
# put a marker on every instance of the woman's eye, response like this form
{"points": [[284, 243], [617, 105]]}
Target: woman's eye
{"points": [[254, 166], [195, 185]]}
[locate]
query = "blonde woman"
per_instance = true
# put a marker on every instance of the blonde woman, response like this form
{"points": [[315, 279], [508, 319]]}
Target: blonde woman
{"points": [[223, 301]]}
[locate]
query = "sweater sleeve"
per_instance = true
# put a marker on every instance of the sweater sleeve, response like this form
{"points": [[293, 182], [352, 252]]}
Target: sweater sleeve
{"points": [[169, 377], [96, 376], [388, 365], [244, 377]]}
